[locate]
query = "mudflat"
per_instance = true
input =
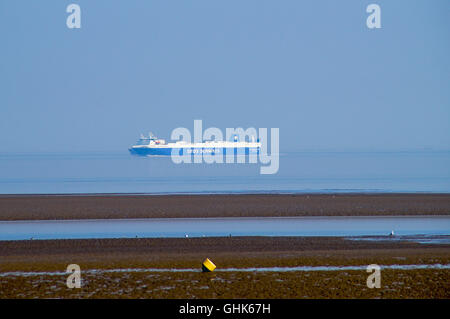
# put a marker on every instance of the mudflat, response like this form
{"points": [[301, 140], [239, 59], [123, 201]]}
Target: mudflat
{"points": [[47, 207], [128, 255], [45, 255], [122, 268]]}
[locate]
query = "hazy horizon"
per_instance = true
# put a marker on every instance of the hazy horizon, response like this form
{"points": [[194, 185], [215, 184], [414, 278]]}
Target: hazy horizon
{"points": [[312, 69]]}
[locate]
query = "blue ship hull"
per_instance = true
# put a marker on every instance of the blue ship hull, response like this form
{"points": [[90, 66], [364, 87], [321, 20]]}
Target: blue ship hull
{"points": [[149, 151]]}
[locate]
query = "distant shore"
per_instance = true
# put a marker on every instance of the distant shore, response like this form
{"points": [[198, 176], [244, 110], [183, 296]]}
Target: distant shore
{"points": [[52, 207]]}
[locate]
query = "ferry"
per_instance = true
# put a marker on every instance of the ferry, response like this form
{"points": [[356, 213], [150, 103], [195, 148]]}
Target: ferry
{"points": [[151, 145]]}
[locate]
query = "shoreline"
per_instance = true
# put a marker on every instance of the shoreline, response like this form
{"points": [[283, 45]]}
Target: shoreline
{"points": [[122, 206], [231, 193]]}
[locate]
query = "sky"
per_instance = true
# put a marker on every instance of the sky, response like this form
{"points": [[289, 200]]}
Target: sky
{"points": [[313, 69]]}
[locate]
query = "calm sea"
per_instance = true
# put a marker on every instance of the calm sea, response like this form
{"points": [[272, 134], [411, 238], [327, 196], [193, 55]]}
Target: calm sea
{"points": [[298, 172]]}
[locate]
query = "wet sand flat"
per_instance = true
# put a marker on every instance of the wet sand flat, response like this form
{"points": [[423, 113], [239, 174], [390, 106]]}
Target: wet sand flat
{"points": [[226, 252], [30, 255], [239, 252], [47, 207], [421, 284]]}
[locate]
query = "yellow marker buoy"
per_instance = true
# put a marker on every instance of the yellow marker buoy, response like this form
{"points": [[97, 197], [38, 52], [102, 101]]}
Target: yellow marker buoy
{"points": [[208, 266]]}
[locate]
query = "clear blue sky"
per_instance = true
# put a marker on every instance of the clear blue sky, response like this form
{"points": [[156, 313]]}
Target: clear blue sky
{"points": [[311, 68]]}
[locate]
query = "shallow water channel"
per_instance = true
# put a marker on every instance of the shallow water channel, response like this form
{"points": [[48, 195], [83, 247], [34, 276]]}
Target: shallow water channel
{"points": [[199, 227]]}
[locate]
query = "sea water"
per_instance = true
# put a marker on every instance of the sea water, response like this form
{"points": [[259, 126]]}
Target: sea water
{"points": [[299, 172]]}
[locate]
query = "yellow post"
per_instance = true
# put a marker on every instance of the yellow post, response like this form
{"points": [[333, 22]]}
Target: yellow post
{"points": [[208, 265]]}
